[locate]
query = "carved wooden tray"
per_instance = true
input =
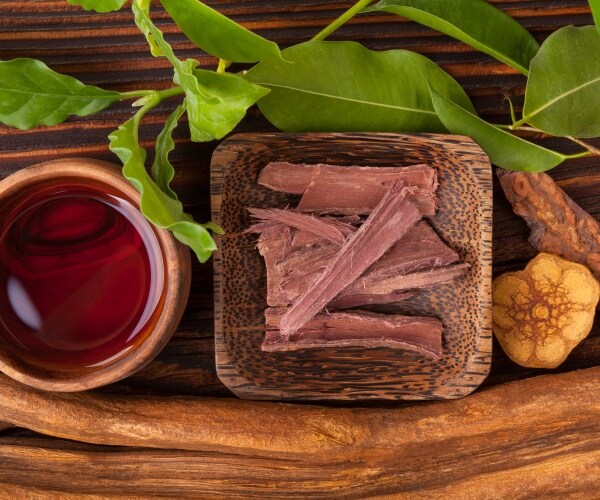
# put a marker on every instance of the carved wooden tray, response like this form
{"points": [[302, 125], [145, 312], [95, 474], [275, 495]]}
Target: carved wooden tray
{"points": [[464, 221]]}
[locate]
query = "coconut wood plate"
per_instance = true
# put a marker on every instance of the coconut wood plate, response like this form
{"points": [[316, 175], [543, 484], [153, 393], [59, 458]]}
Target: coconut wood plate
{"points": [[464, 221]]}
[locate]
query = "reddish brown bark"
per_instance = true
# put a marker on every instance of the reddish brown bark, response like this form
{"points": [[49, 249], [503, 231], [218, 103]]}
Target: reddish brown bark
{"points": [[388, 222], [356, 329]]}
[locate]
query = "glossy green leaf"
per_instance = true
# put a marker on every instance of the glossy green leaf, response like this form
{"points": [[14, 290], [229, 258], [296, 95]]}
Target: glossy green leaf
{"points": [[32, 94], [217, 117], [99, 5], [217, 34], [595, 6], [474, 22], [563, 89], [504, 149], [157, 206], [342, 86], [162, 170], [215, 102]]}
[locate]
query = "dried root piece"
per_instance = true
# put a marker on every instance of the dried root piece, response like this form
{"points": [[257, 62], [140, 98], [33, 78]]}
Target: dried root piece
{"points": [[540, 314], [558, 225], [356, 329]]}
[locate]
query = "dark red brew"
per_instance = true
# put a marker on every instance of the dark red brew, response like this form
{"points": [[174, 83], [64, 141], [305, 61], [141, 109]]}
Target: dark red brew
{"points": [[81, 276]]}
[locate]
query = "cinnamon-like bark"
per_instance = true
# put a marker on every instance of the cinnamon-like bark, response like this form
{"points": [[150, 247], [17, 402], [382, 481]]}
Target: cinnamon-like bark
{"points": [[388, 222], [558, 225], [536, 413], [356, 329]]}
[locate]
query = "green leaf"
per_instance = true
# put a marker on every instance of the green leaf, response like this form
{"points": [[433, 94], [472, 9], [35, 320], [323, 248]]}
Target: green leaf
{"points": [[215, 118], [158, 207], [99, 5], [474, 22], [32, 94], [595, 6], [215, 102], [217, 34], [504, 149], [342, 87], [162, 170], [563, 90]]}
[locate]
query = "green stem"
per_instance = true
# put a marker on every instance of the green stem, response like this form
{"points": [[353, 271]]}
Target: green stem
{"points": [[518, 123], [135, 94], [223, 65], [150, 103], [343, 19], [592, 149], [517, 129], [162, 94], [578, 155]]}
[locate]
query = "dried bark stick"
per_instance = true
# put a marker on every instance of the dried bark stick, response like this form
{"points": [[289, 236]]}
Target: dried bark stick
{"points": [[493, 470], [388, 222], [558, 225], [295, 177], [514, 414], [357, 329]]}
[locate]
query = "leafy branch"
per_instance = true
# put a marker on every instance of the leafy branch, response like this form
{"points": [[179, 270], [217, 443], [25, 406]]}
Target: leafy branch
{"points": [[324, 86]]}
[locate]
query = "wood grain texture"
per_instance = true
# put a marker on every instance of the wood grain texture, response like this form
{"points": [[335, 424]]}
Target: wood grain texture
{"points": [[463, 221], [106, 50], [514, 440]]}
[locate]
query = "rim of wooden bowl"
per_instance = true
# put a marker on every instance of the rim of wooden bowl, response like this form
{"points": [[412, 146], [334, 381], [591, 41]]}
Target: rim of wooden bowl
{"points": [[177, 268]]}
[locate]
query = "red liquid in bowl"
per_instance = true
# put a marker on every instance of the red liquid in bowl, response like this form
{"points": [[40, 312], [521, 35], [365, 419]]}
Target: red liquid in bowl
{"points": [[81, 277]]}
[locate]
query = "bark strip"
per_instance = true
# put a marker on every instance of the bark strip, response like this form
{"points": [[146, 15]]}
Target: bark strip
{"points": [[356, 329], [533, 409]]}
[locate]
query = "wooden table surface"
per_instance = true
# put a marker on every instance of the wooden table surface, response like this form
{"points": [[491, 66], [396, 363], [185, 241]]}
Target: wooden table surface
{"points": [[512, 445]]}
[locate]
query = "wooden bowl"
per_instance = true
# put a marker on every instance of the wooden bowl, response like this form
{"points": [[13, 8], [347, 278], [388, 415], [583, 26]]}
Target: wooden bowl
{"points": [[463, 221], [177, 269]]}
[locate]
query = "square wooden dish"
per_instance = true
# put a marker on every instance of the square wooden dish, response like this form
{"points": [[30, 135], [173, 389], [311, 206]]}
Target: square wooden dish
{"points": [[464, 221]]}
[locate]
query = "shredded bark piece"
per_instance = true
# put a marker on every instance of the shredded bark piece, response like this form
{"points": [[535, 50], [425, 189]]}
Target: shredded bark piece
{"points": [[302, 239], [324, 227], [389, 221], [274, 244], [351, 329], [397, 284], [419, 248], [558, 225]]}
